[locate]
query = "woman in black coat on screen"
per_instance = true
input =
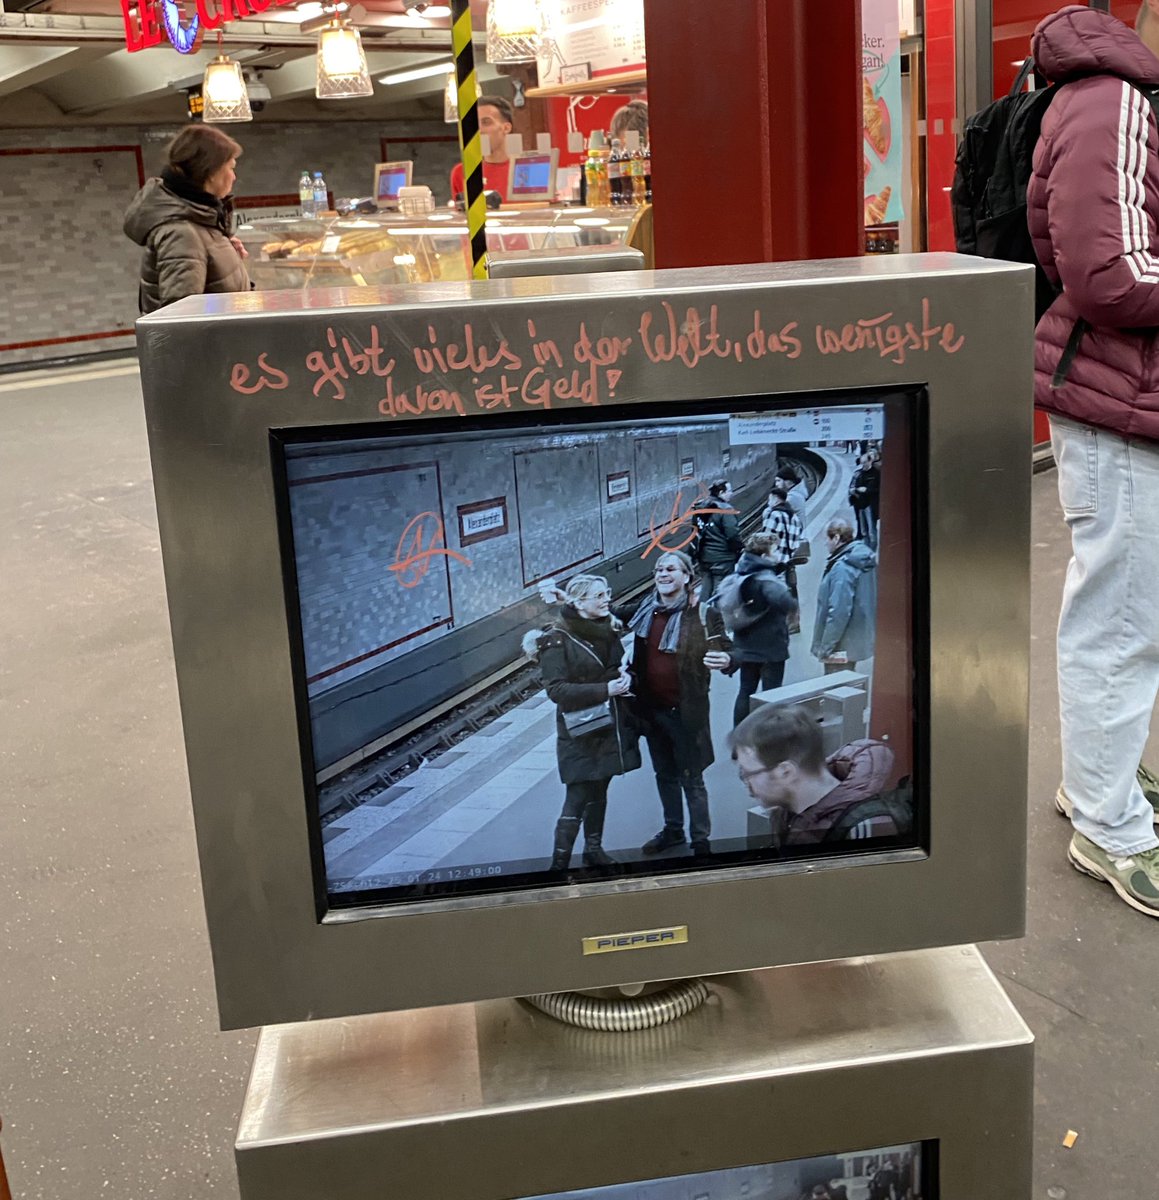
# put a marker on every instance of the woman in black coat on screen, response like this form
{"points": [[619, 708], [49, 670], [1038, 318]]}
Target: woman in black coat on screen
{"points": [[580, 660]]}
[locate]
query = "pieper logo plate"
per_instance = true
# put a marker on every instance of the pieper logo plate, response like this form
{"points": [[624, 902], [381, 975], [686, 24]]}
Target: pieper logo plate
{"points": [[644, 939]]}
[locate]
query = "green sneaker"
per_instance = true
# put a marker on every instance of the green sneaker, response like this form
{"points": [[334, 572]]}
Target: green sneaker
{"points": [[1135, 877], [1148, 781]]}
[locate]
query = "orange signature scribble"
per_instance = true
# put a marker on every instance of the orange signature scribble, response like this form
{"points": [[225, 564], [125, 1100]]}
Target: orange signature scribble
{"points": [[680, 524], [424, 538]]}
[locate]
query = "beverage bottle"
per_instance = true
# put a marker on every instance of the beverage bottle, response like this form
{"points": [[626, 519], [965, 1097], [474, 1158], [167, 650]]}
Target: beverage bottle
{"points": [[306, 195], [639, 187], [648, 174], [616, 174], [599, 192], [321, 199]]}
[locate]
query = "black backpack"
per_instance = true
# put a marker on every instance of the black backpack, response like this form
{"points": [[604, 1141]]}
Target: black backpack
{"points": [[897, 805], [991, 172]]}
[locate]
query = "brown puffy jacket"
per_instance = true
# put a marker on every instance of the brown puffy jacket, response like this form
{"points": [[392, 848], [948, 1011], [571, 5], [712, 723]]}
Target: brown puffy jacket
{"points": [[186, 251]]}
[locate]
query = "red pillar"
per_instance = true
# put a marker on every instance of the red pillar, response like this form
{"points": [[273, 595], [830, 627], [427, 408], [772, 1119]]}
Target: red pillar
{"points": [[755, 126]]}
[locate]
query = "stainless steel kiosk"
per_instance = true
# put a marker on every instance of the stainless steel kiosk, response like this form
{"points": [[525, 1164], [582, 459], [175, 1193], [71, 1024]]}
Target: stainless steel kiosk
{"points": [[494, 1101], [372, 507], [361, 495]]}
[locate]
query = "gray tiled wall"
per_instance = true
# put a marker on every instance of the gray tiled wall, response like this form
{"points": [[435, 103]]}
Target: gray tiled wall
{"points": [[358, 511], [68, 270]]}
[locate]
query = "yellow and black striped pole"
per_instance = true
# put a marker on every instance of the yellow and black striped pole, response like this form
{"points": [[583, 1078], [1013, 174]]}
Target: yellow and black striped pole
{"points": [[469, 142]]}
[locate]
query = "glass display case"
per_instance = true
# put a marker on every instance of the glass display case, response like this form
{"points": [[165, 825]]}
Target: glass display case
{"points": [[385, 248]]}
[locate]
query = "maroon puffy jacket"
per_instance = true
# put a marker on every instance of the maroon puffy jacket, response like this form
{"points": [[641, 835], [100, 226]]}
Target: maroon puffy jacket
{"points": [[1093, 205]]}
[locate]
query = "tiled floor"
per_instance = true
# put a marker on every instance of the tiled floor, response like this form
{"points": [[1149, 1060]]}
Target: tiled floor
{"points": [[114, 1079]]}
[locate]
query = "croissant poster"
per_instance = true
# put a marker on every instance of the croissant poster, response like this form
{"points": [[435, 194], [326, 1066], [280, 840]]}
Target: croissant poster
{"points": [[882, 143]]}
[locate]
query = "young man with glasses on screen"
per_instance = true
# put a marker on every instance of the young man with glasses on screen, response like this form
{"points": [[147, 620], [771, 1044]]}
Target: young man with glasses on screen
{"points": [[781, 760]]}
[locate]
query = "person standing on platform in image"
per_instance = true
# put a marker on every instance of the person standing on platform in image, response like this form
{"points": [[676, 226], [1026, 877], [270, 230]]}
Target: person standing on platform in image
{"points": [[720, 543], [580, 661], [496, 120], [789, 546], [789, 479], [673, 655], [865, 498], [780, 758], [1093, 206], [846, 601], [756, 606], [184, 221]]}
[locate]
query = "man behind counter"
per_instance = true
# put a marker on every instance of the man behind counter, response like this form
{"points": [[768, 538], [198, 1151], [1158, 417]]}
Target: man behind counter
{"points": [[496, 118]]}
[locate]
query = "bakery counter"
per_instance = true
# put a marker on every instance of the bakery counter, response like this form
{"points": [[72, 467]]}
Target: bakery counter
{"points": [[385, 248]]}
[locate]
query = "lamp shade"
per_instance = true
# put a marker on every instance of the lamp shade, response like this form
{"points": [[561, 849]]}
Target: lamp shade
{"points": [[342, 70], [513, 28], [223, 90], [451, 101]]}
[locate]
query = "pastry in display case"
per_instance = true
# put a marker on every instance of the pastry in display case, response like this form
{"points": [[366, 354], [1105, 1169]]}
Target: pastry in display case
{"points": [[386, 248]]}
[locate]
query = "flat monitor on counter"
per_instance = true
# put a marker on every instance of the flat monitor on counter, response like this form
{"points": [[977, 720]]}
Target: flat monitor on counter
{"points": [[389, 179], [532, 178], [542, 635]]}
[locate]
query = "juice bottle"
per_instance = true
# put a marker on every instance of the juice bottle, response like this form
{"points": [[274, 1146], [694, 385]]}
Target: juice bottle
{"points": [[639, 187], [596, 171]]}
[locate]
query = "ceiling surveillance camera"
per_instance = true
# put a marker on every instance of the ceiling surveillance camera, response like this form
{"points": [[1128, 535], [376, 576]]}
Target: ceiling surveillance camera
{"points": [[257, 87]]}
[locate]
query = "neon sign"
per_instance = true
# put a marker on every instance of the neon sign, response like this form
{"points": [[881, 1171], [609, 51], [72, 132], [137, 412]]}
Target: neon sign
{"points": [[149, 22]]}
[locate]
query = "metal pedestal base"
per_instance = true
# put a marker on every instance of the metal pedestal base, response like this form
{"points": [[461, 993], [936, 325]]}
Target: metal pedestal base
{"points": [[494, 1100]]}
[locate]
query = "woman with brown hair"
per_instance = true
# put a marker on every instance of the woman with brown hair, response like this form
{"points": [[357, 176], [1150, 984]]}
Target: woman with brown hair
{"points": [[183, 220]]}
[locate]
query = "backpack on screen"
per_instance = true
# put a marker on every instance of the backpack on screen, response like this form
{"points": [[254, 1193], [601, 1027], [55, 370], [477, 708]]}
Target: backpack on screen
{"points": [[898, 805], [740, 601]]}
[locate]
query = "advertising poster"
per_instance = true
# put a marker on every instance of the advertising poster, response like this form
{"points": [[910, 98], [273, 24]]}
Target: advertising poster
{"points": [[882, 143], [586, 38]]}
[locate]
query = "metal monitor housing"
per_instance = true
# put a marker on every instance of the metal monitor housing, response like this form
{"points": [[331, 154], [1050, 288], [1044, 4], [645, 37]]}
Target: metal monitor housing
{"points": [[220, 372]]}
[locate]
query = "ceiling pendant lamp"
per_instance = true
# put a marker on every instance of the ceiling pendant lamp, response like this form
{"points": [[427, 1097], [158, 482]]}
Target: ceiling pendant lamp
{"points": [[223, 91], [342, 70], [451, 101], [513, 30]]}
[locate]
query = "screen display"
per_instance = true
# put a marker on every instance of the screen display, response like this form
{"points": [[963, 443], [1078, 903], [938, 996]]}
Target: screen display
{"points": [[531, 654], [390, 182], [891, 1173], [531, 175]]}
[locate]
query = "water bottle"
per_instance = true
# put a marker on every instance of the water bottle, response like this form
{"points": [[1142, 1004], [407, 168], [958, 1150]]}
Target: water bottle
{"points": [[321, 200], [306, 195]]}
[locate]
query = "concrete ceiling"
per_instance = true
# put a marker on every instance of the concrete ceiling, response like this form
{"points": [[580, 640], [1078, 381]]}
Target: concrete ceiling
{"points": [[72, 53]]}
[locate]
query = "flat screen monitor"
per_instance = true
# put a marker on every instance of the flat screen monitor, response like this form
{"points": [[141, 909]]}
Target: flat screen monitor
{"points": [[532, 177], [389, 180], [903, 1172], [542, 652]]}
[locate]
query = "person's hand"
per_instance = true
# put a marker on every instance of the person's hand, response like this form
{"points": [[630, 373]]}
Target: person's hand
{"points": [[549, 593], [716, 660], [620, 686], [239, 246], [838, 656]]}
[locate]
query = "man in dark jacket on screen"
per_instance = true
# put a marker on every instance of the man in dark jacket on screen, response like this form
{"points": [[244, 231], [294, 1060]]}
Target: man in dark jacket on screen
{"points": [[1093, 205], [780, 758], [720, 539]]}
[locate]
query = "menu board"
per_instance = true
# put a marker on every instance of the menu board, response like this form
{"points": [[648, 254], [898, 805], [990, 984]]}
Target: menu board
{"points": [[585, 38]]}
